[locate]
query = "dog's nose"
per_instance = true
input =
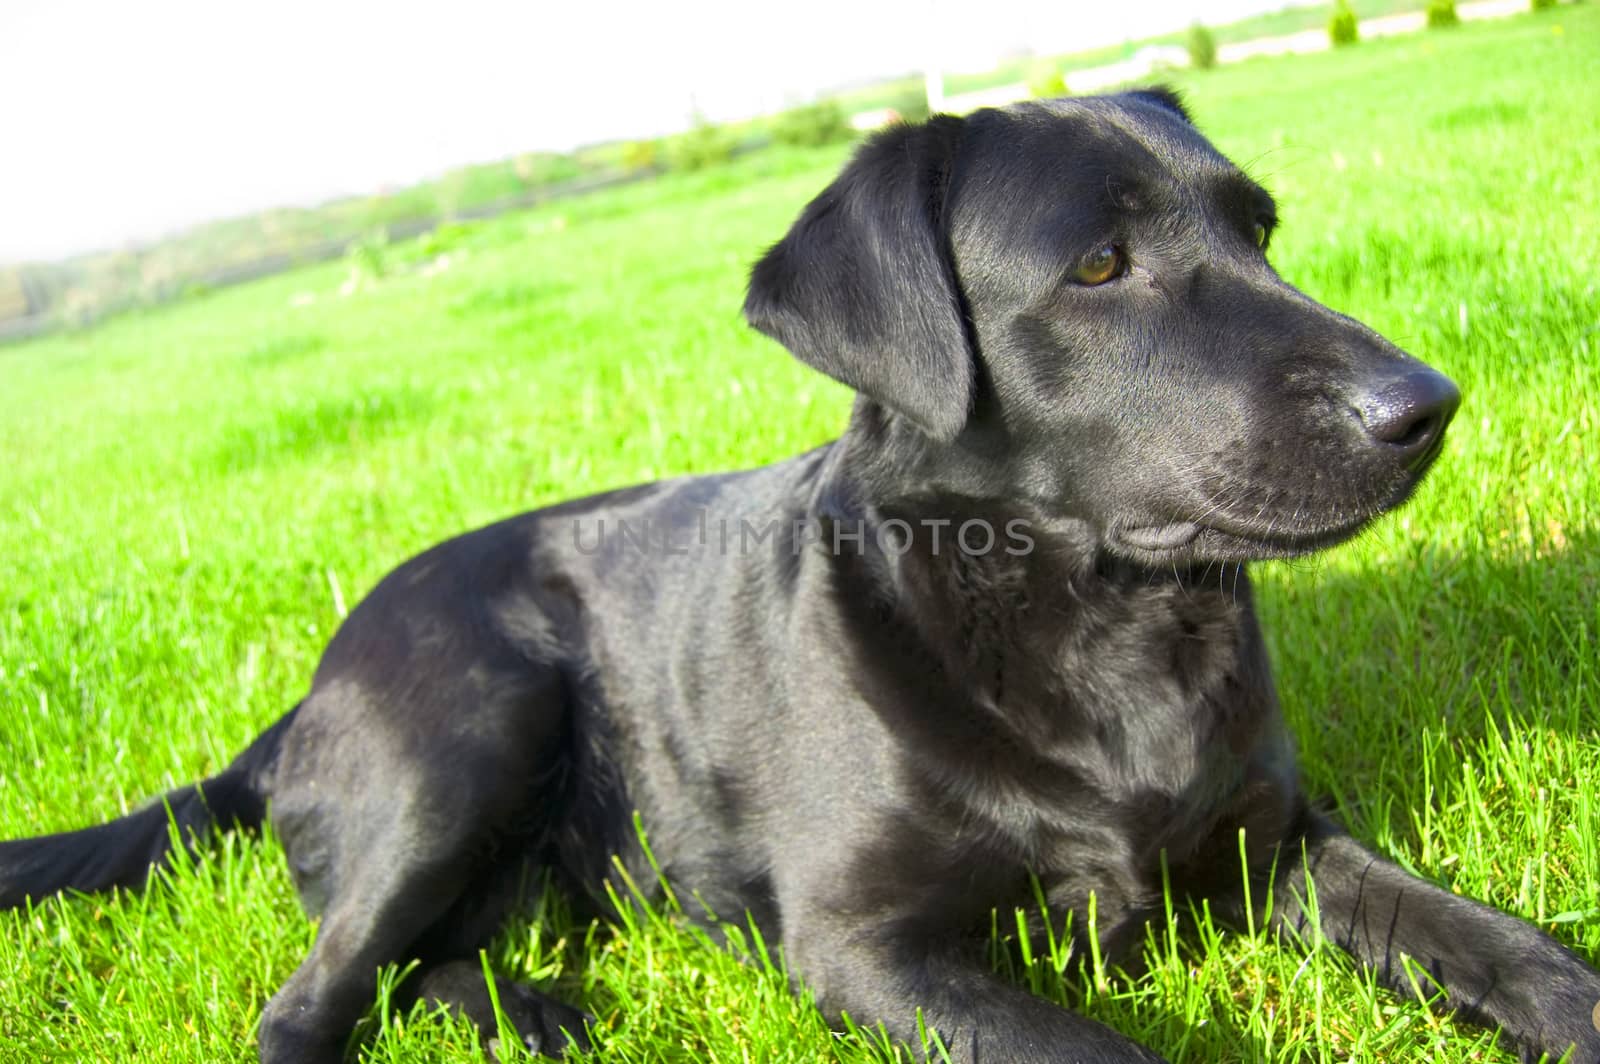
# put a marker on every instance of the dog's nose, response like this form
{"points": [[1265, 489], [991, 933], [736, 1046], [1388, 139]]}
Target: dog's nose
{"points": [[1410, 412]]}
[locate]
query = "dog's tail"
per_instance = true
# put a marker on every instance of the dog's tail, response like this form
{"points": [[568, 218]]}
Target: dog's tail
{"points": [[122, 852]]}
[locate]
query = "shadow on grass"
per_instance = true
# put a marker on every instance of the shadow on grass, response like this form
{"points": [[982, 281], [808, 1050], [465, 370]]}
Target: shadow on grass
{"points": [[1459, 644]]}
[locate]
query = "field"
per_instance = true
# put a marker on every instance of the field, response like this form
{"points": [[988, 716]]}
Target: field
{"points": [[192, 495], [1284, 21]]}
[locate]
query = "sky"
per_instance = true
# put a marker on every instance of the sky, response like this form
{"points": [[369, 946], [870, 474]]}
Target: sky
{"points": [[127, 119]]}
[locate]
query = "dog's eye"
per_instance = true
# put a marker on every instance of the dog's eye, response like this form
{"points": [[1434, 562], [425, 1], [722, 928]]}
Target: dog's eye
{"points": [[1103, 265], [1262, 234]]}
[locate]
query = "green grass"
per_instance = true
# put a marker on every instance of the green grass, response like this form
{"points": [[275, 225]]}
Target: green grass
{"points": [[190, 492], [1278, 23]]}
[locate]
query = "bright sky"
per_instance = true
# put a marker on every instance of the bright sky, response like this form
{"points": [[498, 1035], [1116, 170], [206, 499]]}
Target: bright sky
{"points": [[126, 119]]}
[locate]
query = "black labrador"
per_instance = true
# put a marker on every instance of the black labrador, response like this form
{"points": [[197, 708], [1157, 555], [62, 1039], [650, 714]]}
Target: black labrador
{"points": [[999, 629]]}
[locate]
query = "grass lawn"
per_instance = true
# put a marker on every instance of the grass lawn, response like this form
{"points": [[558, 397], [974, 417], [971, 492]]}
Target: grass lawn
{"points": [[190, 494], [1284, 21]]}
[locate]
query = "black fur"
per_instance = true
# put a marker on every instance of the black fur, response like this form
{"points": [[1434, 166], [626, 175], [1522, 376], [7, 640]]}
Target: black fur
{"points": [[863, 726], [884, 315]]}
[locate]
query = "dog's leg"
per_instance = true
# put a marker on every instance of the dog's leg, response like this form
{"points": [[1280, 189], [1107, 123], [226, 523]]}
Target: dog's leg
{"points": [[979, 1018], [408, 809], [544, 1024], [1492, 967], [452, 973], [424, 909], [397, 889]]}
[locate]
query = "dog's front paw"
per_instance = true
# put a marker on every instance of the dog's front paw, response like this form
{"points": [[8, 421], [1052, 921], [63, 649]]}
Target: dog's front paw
{"points": [[1565, 1020], [548, 1027]]}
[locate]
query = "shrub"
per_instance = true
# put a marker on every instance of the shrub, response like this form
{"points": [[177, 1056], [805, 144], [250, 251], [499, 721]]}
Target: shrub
{"points": [[705, 145], [910, 103], [1202, 47], [368, 254], [641, 156], [1045, 81], [450, 192], [440, 240], [1541, 5], [546, 168], [811, 126], [1342, 27], [1442, 13]]}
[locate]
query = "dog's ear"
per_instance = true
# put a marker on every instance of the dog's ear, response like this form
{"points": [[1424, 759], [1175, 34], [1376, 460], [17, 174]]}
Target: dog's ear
{"points": [[863, 288], [1165, 97]]}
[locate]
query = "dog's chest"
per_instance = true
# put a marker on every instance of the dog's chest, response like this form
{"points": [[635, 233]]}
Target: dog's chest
{"points": [[1141, 715]]}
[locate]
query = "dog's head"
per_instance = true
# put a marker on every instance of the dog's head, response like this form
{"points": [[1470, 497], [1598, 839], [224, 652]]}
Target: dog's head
{"points": [[1073, 298]]}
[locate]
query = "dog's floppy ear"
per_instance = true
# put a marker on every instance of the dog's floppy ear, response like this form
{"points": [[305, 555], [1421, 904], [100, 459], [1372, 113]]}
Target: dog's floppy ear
{"points": [[863, 289], [1166, 97]]}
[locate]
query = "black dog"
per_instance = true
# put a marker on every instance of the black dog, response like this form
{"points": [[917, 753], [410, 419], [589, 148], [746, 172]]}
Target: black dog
{"points": [[999, 629]]}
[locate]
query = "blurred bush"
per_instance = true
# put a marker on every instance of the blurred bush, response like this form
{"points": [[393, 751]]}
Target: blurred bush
{"points": [[1442, 13], [704, 145], [1045, 81], [813, 125], [442, 239], [368, 255], [1202, 47], [1541, 5], [543, 168], [641, 156], [1343, 28], [911, 103]]}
